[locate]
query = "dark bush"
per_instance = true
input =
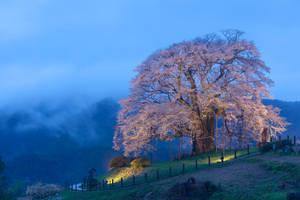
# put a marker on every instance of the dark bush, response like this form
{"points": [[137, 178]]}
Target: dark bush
{"points": [[140, 163], [192, 190], [266, 147], [293, 196], [119, 161], [283, 145], [41, 191]]}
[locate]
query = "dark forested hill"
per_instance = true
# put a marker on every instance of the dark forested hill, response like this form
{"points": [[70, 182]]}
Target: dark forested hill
{"points": [[59, 143]]}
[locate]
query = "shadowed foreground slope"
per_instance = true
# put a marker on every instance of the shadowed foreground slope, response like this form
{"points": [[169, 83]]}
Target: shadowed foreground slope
{"points": [[268, 176]]}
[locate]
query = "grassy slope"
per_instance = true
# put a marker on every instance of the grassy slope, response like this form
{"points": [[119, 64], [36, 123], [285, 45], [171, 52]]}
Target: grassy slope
{"points": [[163, 167], [250, 178]]}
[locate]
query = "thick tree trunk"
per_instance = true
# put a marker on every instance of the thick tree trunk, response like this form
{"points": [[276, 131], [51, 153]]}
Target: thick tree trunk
{"points": [[265, 135], [203, 138], [240, 141], [204, 128]]}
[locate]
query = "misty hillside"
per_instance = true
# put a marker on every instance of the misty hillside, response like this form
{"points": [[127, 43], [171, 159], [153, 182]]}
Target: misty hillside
{"points": [[60, 143], [57, 144]]}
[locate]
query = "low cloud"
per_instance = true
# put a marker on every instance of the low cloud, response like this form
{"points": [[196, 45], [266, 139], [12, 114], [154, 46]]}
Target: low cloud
{"points": [[20, 86]]}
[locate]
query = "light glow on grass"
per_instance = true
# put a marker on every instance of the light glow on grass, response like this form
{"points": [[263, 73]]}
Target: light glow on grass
{"points": [[226, 158], [124, 173], [127, 172]]}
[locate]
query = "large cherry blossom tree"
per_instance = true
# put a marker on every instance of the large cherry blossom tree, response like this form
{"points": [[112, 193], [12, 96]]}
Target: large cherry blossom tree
{"points": [[181, 90]]}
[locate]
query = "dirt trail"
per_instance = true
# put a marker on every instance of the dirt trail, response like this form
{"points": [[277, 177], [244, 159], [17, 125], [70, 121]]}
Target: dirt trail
{"points": [[239, 172], [278, 158], [245, 174]]}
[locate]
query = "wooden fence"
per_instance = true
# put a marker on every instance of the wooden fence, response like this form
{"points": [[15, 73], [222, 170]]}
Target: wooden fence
{"points": [[173, 170]]}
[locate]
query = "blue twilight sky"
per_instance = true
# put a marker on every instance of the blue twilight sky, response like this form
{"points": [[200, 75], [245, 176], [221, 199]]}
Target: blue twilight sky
{"points": [[52, 50]]}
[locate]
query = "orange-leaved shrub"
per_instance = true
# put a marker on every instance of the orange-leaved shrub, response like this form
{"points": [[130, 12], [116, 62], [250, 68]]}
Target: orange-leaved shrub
{"points": [[119, 161], [140, 163]]}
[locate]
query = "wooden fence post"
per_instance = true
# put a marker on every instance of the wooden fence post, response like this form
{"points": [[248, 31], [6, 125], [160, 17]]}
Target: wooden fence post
{"points": [[208, 160], [133, 180], [112, 183], [82, 185], [196, 163], [288, 138], [85, 182], [122, 182], [235, 154], [248, 151], [146, 177], [222, 160]]}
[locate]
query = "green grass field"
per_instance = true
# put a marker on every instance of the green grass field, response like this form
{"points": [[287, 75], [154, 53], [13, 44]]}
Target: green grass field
{"points": [[153, 184], [256, 177], [163, 168]]}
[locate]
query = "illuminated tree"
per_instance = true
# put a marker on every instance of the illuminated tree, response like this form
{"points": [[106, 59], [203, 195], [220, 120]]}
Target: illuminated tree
{"points": [[183, 88]]}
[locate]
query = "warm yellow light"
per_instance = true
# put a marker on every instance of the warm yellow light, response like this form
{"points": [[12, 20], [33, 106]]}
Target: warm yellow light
{"points": [[128, 172], [125, 173], [228, 157]]}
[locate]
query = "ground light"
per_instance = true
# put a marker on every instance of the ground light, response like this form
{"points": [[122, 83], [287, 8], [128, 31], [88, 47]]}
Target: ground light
{"points": [[128, 172]]}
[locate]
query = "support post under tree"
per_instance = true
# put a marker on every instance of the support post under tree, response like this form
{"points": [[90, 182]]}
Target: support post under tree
{"points": [[222, 160], [248, 150], [235, 154], [133, 180], [146, 177]]}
